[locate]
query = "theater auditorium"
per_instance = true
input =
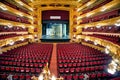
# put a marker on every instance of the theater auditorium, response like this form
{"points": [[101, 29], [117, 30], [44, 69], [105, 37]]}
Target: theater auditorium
{"points": [[59, 39]]}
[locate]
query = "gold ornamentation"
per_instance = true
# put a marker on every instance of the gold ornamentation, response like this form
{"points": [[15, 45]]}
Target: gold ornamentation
{"points": [[46, 75]]}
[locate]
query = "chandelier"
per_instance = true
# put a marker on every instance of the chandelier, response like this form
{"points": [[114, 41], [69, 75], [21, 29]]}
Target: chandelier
{"points": [[46, 75]]}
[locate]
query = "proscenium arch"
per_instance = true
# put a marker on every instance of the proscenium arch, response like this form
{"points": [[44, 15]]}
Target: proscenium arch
{"points": [[39, 13]]}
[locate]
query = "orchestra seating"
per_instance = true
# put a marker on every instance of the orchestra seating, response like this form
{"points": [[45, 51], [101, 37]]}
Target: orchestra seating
{"points": [[74, 60], [118, 78], [25, 61]]}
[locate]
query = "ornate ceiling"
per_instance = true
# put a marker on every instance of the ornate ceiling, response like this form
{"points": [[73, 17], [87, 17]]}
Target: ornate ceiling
{"points": [[56, 3]]}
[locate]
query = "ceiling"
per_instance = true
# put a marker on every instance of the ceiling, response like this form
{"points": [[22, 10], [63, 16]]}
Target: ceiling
{"points": [[55, 3]]}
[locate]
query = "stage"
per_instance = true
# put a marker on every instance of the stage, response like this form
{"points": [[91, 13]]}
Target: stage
{"points": [[54, 38]]}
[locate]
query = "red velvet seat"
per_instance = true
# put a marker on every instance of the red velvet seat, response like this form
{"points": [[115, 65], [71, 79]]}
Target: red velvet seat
{"points": [[31, 64], [12, 69], [37, 70], [93, 76], [22, 70], [15, 77], [67, 70], [65, 65], [75, 77], [72, 70], [27, 70], [28, 77], [32, 70], [68, 77], [81, 77], [61, 70], [17, 69], [21, 77], [61, 65], [41, 65]]}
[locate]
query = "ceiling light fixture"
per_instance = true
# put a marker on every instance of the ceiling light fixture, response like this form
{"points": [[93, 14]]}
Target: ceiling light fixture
{"points": [[20, 3], [10, 25], [11, 42], [31, 0], [88, 4], [20, 14], [107, 51], [78, 9], [3, 7], [79, 0], [103, 8], [117, 23], [98, 26], [78, 18], [87, 15]]}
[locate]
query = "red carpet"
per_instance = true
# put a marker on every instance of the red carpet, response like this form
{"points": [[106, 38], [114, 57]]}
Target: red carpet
{"points": [[53, 63]]}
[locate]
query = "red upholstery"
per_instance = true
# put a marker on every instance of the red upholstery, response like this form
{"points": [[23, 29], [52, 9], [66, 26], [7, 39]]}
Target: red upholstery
{"points": [[28, 59], [8, 16], [74, 60]]}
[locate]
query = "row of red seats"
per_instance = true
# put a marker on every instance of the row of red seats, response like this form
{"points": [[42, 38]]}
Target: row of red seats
{"points": [[11, 17], [115, 40], [13, 29], [78, 49], [82, 64], [92, 76], [90, 42], [90, 55], [17, 76], [77, 60], [88, 60], [16, 65], [81, 69], [96, 6], [28, 57], [15, 43], [108, 15], [9, 36], [20, 69], [23, 64], [35, 49], [6, 2], [106, 29], [118, 78], [32, 60], [78, 56]]}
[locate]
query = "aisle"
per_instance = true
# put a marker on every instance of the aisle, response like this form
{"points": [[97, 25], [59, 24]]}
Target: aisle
{"points": [[53, 63]]}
